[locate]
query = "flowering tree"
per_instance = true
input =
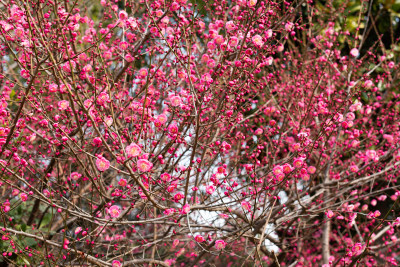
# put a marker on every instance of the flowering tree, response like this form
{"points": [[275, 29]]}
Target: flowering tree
{"points": [[211, 133]]}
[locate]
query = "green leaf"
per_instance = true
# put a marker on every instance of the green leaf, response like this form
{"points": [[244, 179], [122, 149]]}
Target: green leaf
{"points": [[12, 94], [46, 220], [364, 97]]}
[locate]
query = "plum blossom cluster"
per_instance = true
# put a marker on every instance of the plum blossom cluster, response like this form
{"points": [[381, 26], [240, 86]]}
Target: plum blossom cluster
{"points": [[174, 133]]}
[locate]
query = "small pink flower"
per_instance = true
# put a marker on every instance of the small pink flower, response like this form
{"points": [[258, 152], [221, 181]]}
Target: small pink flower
{"points": [[171, 188], [205, 58], [287, 168], [210, 189], [64, 88], [114, 211], [350, 116], [268, 34], [224, 216], [296, 146], [6, 206], [87, 68], [15, 192], [25, 74], [123, 46], [297, 163], [251, 3], [116, 263], [370, 154], [211, 45], [122, 182], [169, 211], [166, 177], [144, 165], [311, 169], [173, 129], [199, 238], [305, 177], [329, 214], [259, 131], [219, 39], [23, 197], [211, 63], [277, 170], [377, 213], [226, 146], [357, 248], [131, 22], [382, 198], [128, 57], [182, 74], [143, 73], [123, 15], [176, 101], [44, 123], [102, 98], [133, 150], [246, 205], [175, 242], [233, 42], [102, 164], [206, 79], [159, 13], [185, 209], [107, 55], [97, 141], [63, 105], [230, 26], [353, 168], [75, 176], [178, 196], [174, 6], [78, 230], [53, 87], [350, 208], [355, 143], [354, 52], [257, 40], [67, 66], [7, 27], [221, 170], [16, 13], [162, 119], [368, 84], [289, 26], [356, 106], [220, 244]]}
